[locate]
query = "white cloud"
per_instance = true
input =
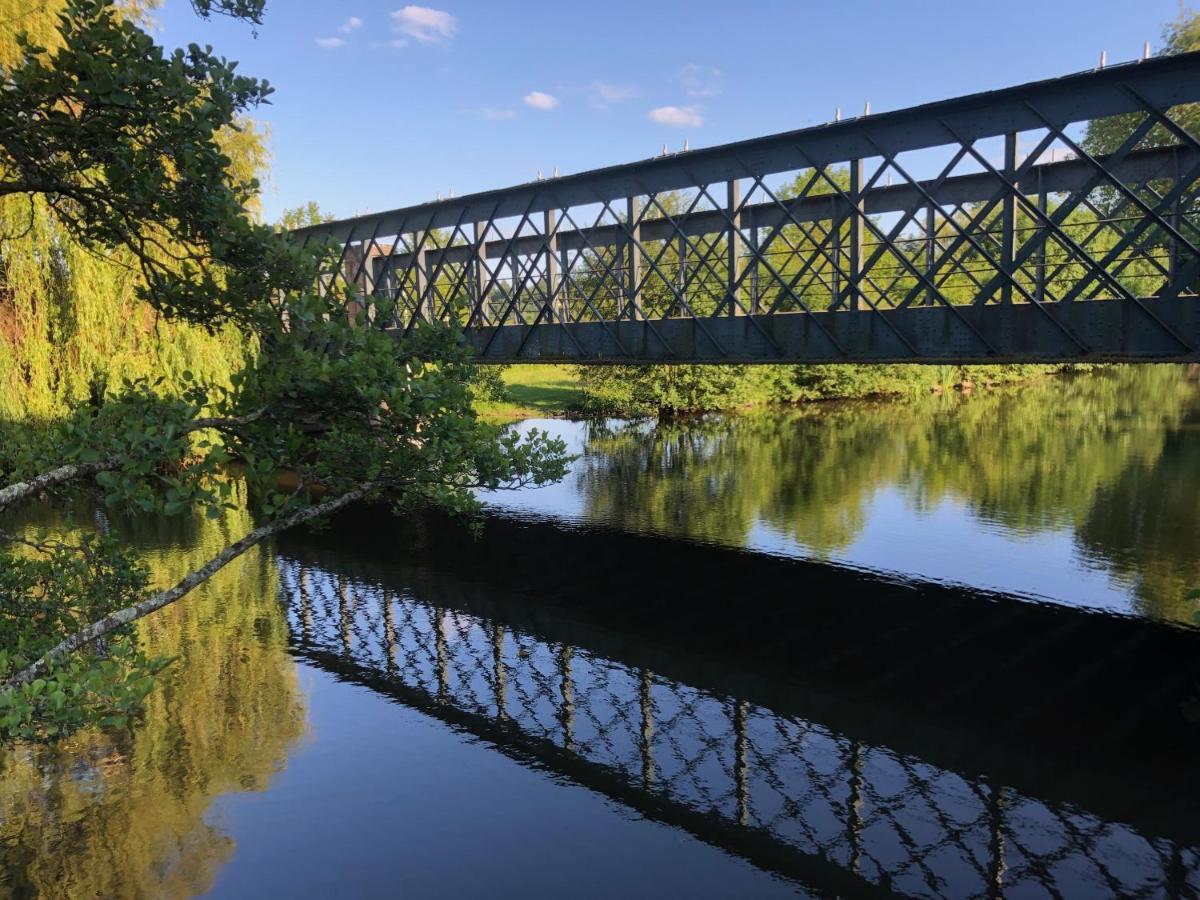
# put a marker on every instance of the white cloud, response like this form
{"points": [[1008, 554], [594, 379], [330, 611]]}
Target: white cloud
{"points": [[678, 116], [539, 100], [604, 94], [700, 81], [330, 43], [352, 23], [492, 113], [429, 26]]}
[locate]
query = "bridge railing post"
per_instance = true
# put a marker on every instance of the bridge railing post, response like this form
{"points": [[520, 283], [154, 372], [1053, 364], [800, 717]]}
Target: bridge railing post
{"points": [[515, 299], [345, 619], [424, 304], [352, 264], [566, 712], [646, 734], [1009, 221], [1040, 236], [854, 806], [856, 232], [733, 250], [565, 281], [479, 276], [550, 225], [391, 643], [441, 655], [633, 257], [499, 672], [1173, 286], [930, 252], [306, 614], [681, 278], [741, 764], [755, 295]]}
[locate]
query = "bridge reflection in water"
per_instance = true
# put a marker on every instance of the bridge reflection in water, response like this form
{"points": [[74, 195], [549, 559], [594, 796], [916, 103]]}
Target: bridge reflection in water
{"points": [[723, 751]]}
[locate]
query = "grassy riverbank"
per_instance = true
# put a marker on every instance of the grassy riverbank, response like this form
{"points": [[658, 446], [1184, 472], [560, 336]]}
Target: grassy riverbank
{"points": [[535, 391]]}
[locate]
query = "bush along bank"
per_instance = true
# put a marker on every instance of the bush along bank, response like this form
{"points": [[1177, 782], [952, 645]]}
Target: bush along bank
{"points": [[680, 390]]}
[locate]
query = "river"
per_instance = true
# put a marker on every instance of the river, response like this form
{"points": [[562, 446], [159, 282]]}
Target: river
{"points": [[933, 648]]}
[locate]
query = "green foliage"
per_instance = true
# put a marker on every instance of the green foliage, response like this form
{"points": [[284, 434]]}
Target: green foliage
{"points": [[151, 437], [54, 589], [123, 143], [340, 404], [856, 382], [118, 149], [666, 390], [534, 390], [250, 10], [336, 405], [488, 385], [301, 216], [72, 326], [129, 813], [650, 390], [1102, 456], [73, 331], [1106, 135]]}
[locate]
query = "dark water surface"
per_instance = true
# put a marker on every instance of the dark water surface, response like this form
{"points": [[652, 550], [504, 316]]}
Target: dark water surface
{"points": [[579, 703]]}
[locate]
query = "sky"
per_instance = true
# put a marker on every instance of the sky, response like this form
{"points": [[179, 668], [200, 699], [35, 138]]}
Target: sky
{"points": [[381, 104]]}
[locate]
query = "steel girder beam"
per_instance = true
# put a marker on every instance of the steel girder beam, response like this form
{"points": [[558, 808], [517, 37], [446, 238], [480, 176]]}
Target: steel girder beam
{"points": [[983, 334]]}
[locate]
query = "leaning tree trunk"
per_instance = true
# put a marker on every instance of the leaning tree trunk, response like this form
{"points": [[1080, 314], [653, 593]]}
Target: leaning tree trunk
{"points": [[190, 582]]}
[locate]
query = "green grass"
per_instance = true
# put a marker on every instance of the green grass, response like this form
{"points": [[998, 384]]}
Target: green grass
{"points": [[536, 390]]}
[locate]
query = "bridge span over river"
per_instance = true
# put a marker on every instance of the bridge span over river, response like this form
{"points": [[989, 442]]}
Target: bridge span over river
{"points": [[1052, 221]]}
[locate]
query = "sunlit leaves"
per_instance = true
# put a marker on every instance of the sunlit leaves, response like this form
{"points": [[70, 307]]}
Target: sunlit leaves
{"points": [[125, 142], [51, 587], [122, 141]]}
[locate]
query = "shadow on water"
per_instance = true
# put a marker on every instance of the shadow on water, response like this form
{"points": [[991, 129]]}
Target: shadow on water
{"points": [[853, 732]]}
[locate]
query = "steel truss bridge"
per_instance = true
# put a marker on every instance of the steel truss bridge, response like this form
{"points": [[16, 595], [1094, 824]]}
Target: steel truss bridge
{"points": [[969, 230]]}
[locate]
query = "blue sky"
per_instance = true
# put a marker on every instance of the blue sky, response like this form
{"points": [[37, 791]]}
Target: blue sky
{"points": [[381, 104]]}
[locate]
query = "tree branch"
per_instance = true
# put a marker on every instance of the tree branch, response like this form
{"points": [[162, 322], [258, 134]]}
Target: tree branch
{"points": [[189, 583], [74, 471], [220, 423], [70, 472]]}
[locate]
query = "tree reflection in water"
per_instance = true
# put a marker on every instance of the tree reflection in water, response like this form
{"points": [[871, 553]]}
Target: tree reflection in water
{"points": [[1107, 456], [124, 815]]}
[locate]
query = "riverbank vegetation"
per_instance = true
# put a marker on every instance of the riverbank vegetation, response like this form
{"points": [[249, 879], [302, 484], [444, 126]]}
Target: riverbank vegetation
{"points": [[221, 720], [667, 390], [508, 393]]}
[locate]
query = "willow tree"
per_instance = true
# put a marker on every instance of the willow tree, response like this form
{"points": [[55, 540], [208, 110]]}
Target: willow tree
{"points": [[72, 325], [121, 143]]}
